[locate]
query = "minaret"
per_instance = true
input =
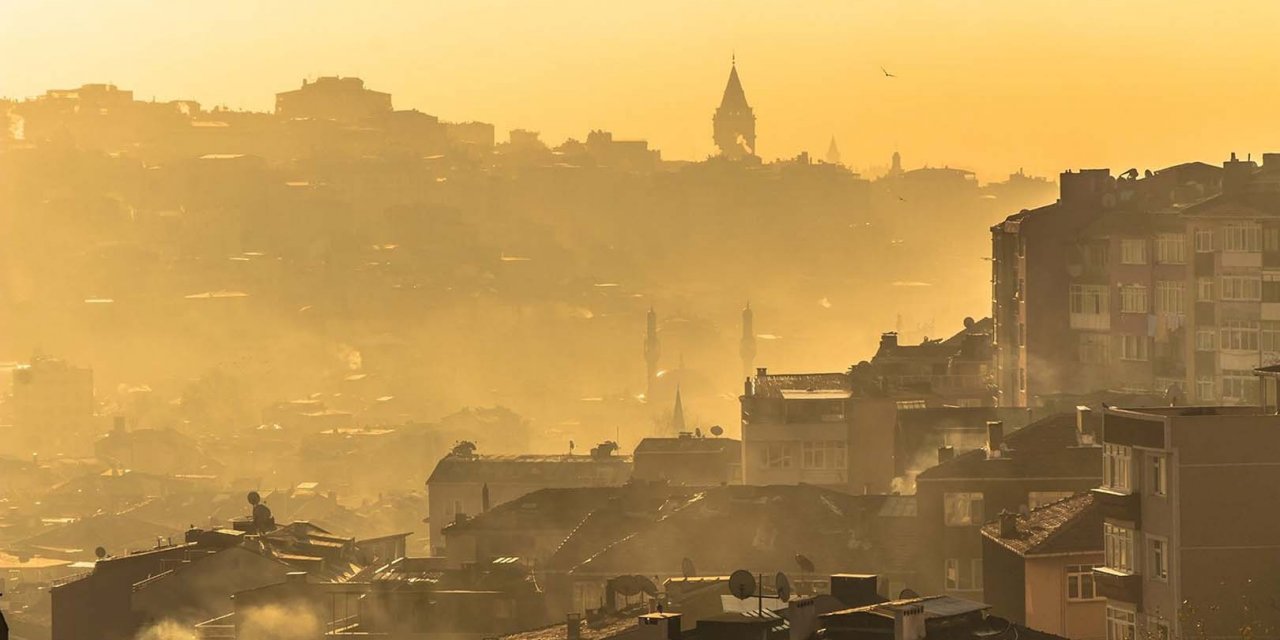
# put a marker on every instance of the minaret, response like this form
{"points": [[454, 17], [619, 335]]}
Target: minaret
{"points": [[677, 414], [833, 152], [734, 124], [747, 346], [652, 349]]}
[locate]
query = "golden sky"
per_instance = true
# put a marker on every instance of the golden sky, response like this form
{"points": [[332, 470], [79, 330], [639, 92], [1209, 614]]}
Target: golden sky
{"points": [[991, 85]]}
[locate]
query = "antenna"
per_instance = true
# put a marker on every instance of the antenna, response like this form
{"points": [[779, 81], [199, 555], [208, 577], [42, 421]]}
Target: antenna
{"points": [[742, 584]]}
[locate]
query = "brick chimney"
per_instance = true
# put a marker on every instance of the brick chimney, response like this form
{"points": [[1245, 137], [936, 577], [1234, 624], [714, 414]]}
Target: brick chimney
{"points": [[946, 454], [573, 622], [995, 438], [1008, 524], [889, 340]]}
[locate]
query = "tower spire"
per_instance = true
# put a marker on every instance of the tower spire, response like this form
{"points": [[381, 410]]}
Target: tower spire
{"points": [[747, 346], [677, 414], [734, 123]]}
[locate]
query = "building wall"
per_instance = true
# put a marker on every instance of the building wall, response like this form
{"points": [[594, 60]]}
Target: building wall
{"points": [[1047, 606], [1006, 587]]}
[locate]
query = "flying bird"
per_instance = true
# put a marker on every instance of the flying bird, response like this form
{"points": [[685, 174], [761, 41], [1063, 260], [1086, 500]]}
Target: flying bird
{"points": [[886, 73]]}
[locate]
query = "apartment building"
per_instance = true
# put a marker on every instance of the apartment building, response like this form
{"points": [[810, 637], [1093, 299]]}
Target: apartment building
{"points": [[1191, 547]]}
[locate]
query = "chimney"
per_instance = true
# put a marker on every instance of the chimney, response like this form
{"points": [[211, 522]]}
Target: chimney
{"points": [[889, 340], [748, 388], [908, 622], [855, 590], [803, 618], [1087, 426], [946, 454], [995, 438], [659, 626], [1008, 524], [573, 622], [762, 372], [1236, 174]]}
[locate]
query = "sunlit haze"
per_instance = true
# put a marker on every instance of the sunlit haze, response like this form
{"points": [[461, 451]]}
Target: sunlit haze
{"points": [[991, 86]]}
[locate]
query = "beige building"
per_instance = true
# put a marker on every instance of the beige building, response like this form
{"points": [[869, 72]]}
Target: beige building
{"points": [[1039, 568]]}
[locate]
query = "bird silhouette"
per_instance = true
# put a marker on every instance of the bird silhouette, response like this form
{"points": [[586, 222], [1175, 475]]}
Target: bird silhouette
{"points": [[886, 73]]}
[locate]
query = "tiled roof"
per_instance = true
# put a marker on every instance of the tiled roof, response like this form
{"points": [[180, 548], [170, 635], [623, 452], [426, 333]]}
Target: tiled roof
{"points": [[774, 384], [1045, 448], [1069, 525], [568, 470], [542, 509]]}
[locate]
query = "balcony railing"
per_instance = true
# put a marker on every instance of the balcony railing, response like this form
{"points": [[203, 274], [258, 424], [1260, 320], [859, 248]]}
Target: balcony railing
{"points": [[1118, 505], [1118, 585]]}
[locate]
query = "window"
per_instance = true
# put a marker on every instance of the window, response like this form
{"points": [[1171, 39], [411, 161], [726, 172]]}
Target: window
{"points": [[1204, 289], [1120, 624], [1133, 251], [1242, 237], [1239, 385], [1171, 248], [1204, 388], [822, 454], [1171, 296], [1271, 239], [1204, 241], [1037, 499], [1133, 299], [964, 574], [1089, 299], [1094, 256], [1238, 335], [907, 405], [1095, 348], [1118, 547], [1247, 288], [1133, 347], [1270, 335], [776, 456], [1158, 558], [1116, 470], [962, 509], [1080, 582], [1204, 340], [1159, 475], [1271, 287]]}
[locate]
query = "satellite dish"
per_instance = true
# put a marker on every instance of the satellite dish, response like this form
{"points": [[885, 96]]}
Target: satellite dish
{"points": [[805, 564], [687, 568], [254, 498], [100, 552], [783, 586], [626, 586], [717, 431], [907, 594], [742, 584]]}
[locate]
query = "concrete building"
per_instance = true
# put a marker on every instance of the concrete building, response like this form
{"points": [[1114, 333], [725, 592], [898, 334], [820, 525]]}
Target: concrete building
{"points": [[689, 459], [1038, 567], [1190, 547], [1090, 293], [1041, 463]]}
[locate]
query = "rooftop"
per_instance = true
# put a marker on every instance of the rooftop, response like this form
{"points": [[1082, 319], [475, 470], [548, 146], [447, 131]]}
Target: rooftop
{"points": [[1070, 525]]}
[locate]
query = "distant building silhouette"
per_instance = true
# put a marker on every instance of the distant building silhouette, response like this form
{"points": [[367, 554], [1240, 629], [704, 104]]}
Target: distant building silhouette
{"points": [[895, 165], [677, 415], [333, 98], [735, 123]]}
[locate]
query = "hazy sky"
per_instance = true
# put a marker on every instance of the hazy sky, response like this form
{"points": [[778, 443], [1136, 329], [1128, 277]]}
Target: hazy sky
{"points": [[991, 85]]}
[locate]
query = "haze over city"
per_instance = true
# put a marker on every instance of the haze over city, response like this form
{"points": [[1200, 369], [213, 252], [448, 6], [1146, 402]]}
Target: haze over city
{"points": [[990, 86], [662, 321]]}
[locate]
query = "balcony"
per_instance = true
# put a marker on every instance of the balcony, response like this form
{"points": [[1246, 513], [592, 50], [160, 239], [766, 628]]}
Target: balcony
{"points": [[1118, 585], [1116, 505]]}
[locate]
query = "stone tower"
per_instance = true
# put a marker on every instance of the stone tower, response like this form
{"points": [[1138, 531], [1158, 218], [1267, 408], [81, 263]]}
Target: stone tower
{"points": [[734, 125]]}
